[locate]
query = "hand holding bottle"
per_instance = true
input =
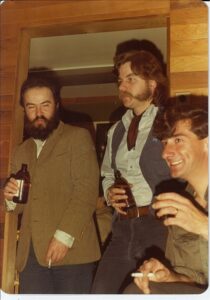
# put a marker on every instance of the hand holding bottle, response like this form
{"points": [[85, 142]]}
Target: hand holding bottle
{"points": [[117, 198], [17, 188], [11, 188], [120, 194]]}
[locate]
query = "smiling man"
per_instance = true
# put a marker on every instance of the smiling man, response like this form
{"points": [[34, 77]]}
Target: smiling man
{"points": [[183, 129]]}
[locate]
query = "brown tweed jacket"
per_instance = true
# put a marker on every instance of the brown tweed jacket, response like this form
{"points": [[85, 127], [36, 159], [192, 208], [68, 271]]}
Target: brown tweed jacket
{"points": [[63, 195]]}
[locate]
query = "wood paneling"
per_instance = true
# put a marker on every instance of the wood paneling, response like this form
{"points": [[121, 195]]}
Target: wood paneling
{"points": [[5, 117], [188, 40], [7, 85], [184, 10], [53, 13], [180, 4], [6, 101], [9, 250], [8, 48], [4, 168], [185, 80], [5, 130], [189, 32], [20, 20], [189, 63], [4, 152], [192, 47]]}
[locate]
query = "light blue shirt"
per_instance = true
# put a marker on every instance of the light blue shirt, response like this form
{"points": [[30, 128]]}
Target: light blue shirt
{"points": [[127, 162]]}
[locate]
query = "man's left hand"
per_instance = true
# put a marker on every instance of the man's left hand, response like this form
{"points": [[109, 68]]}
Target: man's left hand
{"points": [[180, 211], [56, 251]]}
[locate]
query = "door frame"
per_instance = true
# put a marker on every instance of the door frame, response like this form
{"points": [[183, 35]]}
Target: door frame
{"points": [[26, 34]]}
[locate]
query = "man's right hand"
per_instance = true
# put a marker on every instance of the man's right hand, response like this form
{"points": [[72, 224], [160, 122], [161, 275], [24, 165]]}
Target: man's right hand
{"points": [[160, 271], [117, 197], [10, 189]]}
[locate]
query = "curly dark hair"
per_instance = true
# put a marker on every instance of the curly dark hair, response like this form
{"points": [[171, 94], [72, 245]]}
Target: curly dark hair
{"points": [[34, 81], [146, 65], [193, 108]]}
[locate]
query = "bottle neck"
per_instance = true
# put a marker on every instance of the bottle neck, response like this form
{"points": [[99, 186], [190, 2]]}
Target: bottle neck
{"points": [[24, 168], [117, 174]]}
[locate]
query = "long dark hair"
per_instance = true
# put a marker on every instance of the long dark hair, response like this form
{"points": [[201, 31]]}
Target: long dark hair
{"points": [[146, 65]]}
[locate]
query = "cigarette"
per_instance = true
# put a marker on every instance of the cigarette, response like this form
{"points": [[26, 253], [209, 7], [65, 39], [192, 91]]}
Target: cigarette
{"points": [[49, 263], [139, 274]]}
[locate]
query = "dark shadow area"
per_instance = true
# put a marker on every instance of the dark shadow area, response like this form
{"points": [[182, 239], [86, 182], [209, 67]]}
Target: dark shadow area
{"points": [[78, 119], [137, 45]]}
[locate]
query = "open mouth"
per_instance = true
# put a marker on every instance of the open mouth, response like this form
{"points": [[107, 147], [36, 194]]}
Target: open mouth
{"points": [[175, 163]]}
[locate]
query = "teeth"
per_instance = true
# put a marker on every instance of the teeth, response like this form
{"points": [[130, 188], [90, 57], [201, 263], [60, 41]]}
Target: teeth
{"points": [[175, 163]]}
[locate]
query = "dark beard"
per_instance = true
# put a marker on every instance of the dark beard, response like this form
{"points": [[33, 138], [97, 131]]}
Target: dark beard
{"points": [[41, 133]]}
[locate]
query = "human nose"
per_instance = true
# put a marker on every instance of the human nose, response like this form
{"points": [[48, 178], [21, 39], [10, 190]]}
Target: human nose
{"points": [[122, 86], [168, 151], [38, 110]]}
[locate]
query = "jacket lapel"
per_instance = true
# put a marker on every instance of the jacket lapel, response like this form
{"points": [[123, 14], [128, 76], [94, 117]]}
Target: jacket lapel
{"points": [[51, 142]]}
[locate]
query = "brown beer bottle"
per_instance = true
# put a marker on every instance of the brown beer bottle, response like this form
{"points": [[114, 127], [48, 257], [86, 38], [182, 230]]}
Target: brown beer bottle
{"points": [[23, 179], [121, 182]]}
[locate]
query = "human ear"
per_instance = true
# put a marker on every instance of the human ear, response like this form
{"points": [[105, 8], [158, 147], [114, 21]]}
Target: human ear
{"points": [[152, 84], [206, 144]]}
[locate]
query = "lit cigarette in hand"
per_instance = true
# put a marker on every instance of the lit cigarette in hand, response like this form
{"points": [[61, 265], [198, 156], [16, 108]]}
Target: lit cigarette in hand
{"points": [[139, 274], [49, 263]]}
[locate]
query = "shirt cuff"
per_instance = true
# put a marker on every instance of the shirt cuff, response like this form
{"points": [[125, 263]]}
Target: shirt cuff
{"points": [[10, 205], [107, 200], [64, 238]]}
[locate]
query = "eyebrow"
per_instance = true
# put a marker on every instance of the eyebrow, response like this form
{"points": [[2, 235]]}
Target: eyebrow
{"points": [[129, 75], [44, 102], [178, 134]]}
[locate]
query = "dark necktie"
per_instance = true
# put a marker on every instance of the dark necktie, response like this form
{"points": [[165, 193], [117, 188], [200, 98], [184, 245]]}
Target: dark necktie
{"points": [[133, 131]]}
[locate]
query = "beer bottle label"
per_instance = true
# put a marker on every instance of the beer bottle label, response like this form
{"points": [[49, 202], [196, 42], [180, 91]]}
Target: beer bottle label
{"points": [[19, 193]]}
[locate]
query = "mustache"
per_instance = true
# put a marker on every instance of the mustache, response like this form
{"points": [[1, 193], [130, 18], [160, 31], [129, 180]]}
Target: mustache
{"points": [[123, 94], [40, 118]]}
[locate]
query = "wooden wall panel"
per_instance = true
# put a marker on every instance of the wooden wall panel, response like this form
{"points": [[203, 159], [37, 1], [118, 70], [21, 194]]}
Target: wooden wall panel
{"points": [[96, 10], [187, 80], [184, 14], [188, 63], [4, 168], [192, 47], [6, 101], [5, 117], [8, 31], [20, 19], [180, 4], [7, 85], [188, 40], [9, 51], [189, 31]]}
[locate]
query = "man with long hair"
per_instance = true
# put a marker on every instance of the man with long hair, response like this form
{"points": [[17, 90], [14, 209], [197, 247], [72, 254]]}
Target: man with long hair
{"points": [[132, 150]]}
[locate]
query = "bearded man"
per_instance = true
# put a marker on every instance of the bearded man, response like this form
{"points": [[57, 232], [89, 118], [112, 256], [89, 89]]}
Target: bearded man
{"points": [[58, 244]]}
